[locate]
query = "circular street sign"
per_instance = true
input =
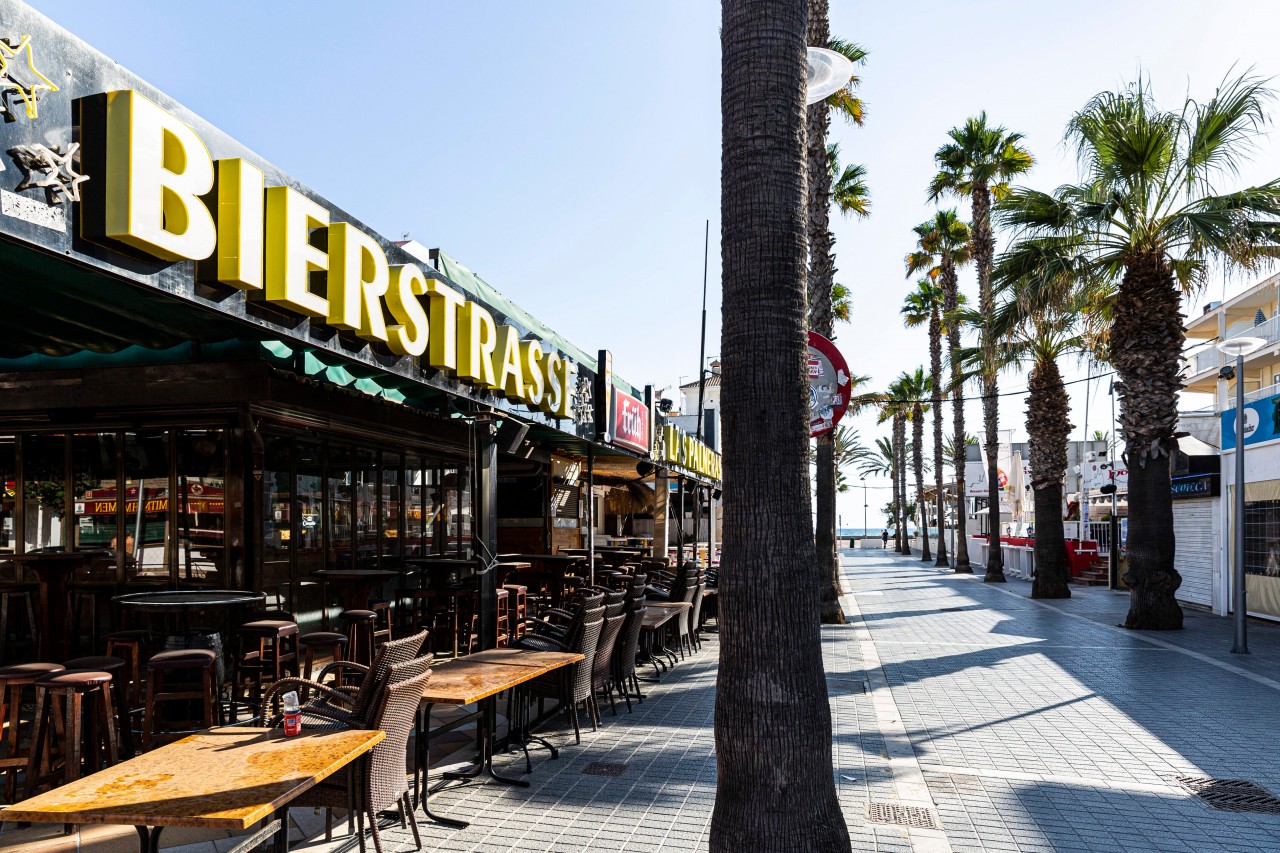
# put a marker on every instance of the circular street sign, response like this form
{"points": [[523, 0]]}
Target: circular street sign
{"points": [[828, 385]]}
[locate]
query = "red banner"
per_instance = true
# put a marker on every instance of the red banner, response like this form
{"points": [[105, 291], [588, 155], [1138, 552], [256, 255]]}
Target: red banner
{"points": [[631, 422]]}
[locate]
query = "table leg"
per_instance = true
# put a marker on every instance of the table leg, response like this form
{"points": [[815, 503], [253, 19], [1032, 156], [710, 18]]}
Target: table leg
{"points": [[282, 834], [489, 723], [149, 838], [422, 770]]}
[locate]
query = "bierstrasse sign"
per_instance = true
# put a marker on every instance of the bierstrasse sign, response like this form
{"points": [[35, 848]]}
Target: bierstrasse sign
{"points": [[630, 422]]}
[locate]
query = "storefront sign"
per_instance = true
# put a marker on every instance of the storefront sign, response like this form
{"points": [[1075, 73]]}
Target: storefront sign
{"points": [[630, 422], [162, 193], [680, 449], [829, 385], [1195, 486], [1261, 423]]}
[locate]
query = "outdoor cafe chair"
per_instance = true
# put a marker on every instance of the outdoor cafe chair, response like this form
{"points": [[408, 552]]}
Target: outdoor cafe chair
{"points": [[625, 653], [332, 702], [381, 777], [571, 685], [602, 665]]}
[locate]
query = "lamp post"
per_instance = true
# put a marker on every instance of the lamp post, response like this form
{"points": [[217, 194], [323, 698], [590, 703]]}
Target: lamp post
{"points": [[1239, 347], [864, 506]]}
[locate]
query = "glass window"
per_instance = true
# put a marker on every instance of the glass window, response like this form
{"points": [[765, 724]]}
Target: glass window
{"points": [[366, 509], [391, 502], [146, 471], [339, 509], [277, 500], [202, 529], [43, 489], [8, 494], [304, 601], [93, 477]]}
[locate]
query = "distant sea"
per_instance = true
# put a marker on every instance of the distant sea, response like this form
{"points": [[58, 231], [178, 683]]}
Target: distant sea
{"points": [[858, 531]]}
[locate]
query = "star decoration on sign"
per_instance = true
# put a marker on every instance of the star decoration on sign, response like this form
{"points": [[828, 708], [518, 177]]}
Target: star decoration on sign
{"points": [[48, 169], [29, 93], [584, 412]]}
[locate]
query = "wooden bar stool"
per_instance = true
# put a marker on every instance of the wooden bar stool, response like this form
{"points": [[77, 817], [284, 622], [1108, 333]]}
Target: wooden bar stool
{"points": [[14, 680], [130, 646], [518, 609], [117, 669], [160, 669], [383, 618], [360, 629], [267, 650], [504, 618], [317, 643], [16, 595], [89, 734]]}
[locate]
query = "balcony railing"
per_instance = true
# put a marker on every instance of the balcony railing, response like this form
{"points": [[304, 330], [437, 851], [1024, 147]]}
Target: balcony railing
{"points": [[1206, 359]]}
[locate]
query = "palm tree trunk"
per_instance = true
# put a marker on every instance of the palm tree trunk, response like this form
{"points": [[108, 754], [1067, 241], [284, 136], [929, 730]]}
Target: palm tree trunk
{"points": [[1148, 318], [935, 375], [822, 274], [1048, 428], [825, 533], [950, 303], [917, 437], [897, 496], [983, 255], [904, 517], [775, 788]]}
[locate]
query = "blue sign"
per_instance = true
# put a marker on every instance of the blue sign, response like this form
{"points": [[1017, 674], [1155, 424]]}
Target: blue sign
{"points": [[1261, 423]]}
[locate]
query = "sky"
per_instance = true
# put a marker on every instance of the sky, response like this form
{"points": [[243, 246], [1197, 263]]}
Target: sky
{"points": [[569, 152]]}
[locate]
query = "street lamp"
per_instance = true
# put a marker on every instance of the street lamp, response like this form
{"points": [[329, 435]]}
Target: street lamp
{"points": [[864, 506], [828, 73], [1239, 347]]}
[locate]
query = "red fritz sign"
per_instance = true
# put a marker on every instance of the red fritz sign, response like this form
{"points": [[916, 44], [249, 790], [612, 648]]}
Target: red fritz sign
{"points": [[630, 422], [829, 385]]}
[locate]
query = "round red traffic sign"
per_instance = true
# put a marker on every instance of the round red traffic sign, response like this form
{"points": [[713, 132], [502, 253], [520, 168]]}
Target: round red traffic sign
{"points": [[829, 385]]}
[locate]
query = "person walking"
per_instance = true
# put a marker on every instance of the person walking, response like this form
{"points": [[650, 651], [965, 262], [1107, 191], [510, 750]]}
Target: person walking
{"points": [[884, 539]]}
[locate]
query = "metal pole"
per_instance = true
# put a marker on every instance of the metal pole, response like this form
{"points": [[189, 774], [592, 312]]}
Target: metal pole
{"points": [[1241, 646], [1113, 557], [486, 530], [702, 347], [591, 512], [680, 521]]}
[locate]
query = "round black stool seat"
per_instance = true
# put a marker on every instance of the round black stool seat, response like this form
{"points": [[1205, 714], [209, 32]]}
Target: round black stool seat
{"points": [[100, 663], [322, 638], [270, 628], [358, 616], [182, 659], [73, 679], [28, 671]]}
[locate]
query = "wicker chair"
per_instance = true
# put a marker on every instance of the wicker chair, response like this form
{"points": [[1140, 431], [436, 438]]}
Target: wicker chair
{"points": [[602, 664], [625, 652], [560, 628], [352, 709], [383, 780], [571, 685], [694, 614]]}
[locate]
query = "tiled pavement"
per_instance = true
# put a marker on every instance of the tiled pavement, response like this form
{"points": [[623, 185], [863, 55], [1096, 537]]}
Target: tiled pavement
{"points": [[1026, 726]]}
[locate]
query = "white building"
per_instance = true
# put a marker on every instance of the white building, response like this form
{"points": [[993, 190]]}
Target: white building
{"points": [[1203, 522]]}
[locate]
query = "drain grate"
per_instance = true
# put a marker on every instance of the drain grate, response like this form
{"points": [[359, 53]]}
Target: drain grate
{"points": [[916, 817], [958, 609], [1232, 795], [597, 768]]}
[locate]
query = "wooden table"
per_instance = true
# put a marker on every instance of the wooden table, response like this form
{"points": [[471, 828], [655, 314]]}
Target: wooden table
{"points": [[355, 585], [467, 680], [657, 615], [54, 571], [225, 778]]}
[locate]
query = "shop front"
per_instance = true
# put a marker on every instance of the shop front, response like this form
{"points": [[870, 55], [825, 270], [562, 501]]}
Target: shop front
{"points": [[215, 378]]}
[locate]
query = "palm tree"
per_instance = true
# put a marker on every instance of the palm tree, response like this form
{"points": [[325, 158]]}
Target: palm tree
{"points": [[895, 408], [1150, 211], [977, 164], [924, 305], [850, 195], [942, 246], [916, 386], [1040, 325], [762, 686]]}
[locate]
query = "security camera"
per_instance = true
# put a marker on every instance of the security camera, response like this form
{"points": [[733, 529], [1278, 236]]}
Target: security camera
{"points": [[1228, 373]]}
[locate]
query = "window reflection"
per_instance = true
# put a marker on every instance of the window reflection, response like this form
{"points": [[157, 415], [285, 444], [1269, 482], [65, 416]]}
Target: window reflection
{"points": [[146, 523], [390, 494], [202, 529], [366, 491], [8, 494], [277, 499], [95, 504], [339, 509], [44, 491]]}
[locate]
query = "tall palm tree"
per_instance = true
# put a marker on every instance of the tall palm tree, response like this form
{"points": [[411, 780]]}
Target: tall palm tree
{"points": [[917, 386], [772, 794], [1039, 326], [895, 408], [942, 246], [924, 305], [823, 306], [1152, 211], [977, 164]]}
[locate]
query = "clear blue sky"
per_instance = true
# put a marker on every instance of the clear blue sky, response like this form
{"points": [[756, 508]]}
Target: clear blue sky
{"points": [[569, 152]]}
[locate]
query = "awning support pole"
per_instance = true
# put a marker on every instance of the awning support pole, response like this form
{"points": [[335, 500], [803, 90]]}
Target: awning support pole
{"points": [[591, 513]]}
